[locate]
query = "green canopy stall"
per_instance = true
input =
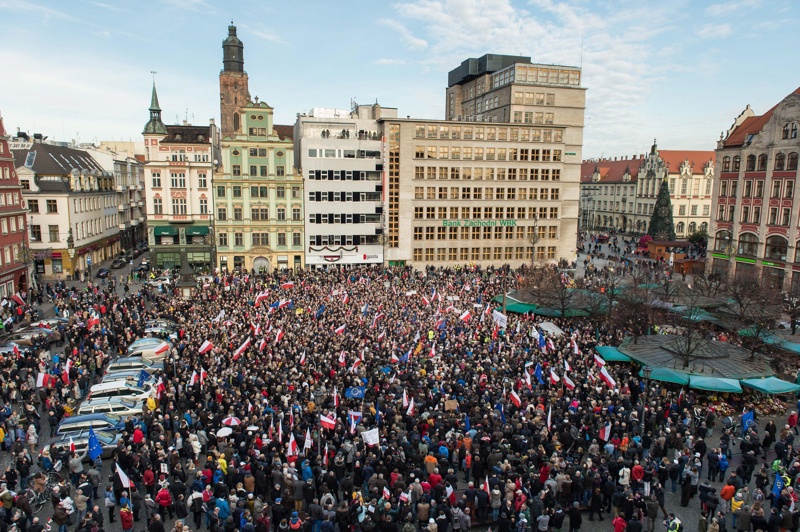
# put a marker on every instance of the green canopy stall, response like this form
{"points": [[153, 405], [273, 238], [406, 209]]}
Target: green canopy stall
{"points": [[668, 375], [611, 354], [714, 384], [771, 385]]}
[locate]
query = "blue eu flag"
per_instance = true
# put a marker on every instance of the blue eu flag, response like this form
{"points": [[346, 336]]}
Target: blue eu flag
{"points": [[778, 485], [538, 373], [143, 376], [95, 449]]}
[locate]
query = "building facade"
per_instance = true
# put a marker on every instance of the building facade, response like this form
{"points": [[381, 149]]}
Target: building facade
{"points": [[498, 181], [15, 258], [128, 172], [341, 154], [620, 194], [72, 208], [178, 178], [755, 210]]}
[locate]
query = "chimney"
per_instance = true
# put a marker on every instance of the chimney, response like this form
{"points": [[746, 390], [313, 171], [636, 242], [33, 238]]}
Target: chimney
{"points": [[37, 137]]}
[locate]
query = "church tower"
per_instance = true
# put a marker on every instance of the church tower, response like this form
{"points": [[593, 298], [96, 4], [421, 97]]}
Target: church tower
{"points": [[233, 83]]}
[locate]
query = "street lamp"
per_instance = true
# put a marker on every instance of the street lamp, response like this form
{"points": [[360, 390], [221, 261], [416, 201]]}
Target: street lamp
{"points": [[646, 372], [71, 250], [533, 238]]}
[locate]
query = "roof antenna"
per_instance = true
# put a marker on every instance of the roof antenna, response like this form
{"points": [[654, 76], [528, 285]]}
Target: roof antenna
{"points": [[581, 62], [153, 72]]}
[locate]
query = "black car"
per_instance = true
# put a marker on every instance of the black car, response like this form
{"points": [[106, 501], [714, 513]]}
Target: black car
{"points": [[118, 263], [142, 268], [102, 273]]}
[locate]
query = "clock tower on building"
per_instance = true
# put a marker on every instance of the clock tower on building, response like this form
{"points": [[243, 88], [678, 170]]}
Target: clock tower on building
{"points": [[234, 92]]}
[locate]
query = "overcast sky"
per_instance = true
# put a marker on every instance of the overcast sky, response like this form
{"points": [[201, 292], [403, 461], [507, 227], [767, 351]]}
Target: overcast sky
{"points": [[677, 70]]}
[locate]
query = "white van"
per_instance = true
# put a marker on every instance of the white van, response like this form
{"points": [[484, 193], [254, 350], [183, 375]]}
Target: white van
{"points": [[120, 389], [148, 353]]}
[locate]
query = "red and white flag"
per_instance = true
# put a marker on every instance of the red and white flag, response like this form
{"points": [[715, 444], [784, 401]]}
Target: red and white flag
{"points": [[426, 301], [568, 382], [327, 422], [355, 365], [607, 378], [93, 320], [206, 347], [599, 361], [242, 348], [280, 431], [405, 398], [515, 398], [307, 441], [278, 336], [386, 493], [123, 478], [292, 450], [262, 344], [261, 297], [605, 432], [575, 349], [303, 359], [18, 300], [340, 329], [410, 411], [162, 348], [65, 371], [486, 487], [194, 379], [342, 359], [287, 285], [394, 359], [528, 380], [256, 329], [43, 380], [375, 320], [325, 456], [567, 367], [284, 303], [433, 350], [346, 298], [381, 336], [550, 417], [160, 388], [335, 397], [465, 317], [554, 379], [71, 445]]}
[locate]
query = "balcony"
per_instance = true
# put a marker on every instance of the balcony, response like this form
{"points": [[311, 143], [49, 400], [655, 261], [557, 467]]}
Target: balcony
{"points": [[120, 188], [132, 204], [122, 226], [140, 203], [121, 207], [141, 218], [131, 187], [140, 187], [135, 222]]}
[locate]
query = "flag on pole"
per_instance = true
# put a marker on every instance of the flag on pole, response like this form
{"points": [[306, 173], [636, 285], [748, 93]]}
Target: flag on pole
{"points": [[335, 397], [124, 480], [486, 487], [405, 398], [599, 361], [605, 432], [568, 383], [515, 399], [278, 336], [340, 329], [327, 422], [206, 347], [325, 456], [241, 349], [71, 445], [95, 450], [538, 373], [426, 301], [280, 431], [465, 316], [410, 411], [192, 381], [550, 417], [303, 359], [307, 442], [292, 451], [261, 297], [528, 380], [778, 485], [567, 367], [607, 378], [162, 348], [553, 377], [381, 336], [287, 285], [433, 350]]}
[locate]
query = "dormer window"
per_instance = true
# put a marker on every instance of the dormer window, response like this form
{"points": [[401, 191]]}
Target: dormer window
{"points": [[178, 137], [789, 131], [201, 138]]}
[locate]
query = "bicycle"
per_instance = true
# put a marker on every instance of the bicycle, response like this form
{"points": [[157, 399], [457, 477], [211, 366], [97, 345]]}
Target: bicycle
{"points": [[37, 500]]}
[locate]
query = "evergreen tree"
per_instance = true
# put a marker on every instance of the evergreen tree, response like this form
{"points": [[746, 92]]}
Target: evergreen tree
{"points": [[661, 227]]}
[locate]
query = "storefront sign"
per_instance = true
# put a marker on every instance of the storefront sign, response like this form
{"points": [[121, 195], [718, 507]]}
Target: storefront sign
{"points": [[478, 223]]}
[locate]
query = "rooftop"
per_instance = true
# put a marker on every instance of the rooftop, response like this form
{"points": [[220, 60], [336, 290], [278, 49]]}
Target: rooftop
{"points": [[751, 126], [49, 159]]}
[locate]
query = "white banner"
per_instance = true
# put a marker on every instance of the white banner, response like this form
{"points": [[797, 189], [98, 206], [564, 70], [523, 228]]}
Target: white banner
{"points": [[499, 318], [371, 437]]}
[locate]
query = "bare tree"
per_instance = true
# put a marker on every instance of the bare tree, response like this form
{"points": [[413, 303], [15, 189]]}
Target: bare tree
{"points": [[555, 291], [634, 310], [791, 307], [757, 307], [710, 285], [689, 337]]}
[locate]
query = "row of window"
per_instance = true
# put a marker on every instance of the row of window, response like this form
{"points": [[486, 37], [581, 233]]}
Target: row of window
{"points": [[488, 174], [12, 224], [258, 214], [486, 213], [489, 193], [534, 98], [752, 214], [258, 239], [343, 175], [483, 233], [780, 188], [344, 154], [257, 191], [491, 154], [343, 196], [775, 247], [9, 198], [341, 240], [181, 156], [486, 253], [685, 186], [6, 173], [533, 117], [258, 170], [759, 164], [514, 134], [178, 180], [331, 218]]}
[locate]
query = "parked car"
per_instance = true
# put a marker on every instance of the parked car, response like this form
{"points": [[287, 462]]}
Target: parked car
{"points": [[119, 263], [102, 273], [161, 322], [120, 389], [128, 375], [108, 441], [7, 350], [118, 406], [25, 335], [134, 364], [141, 343], [50, 323], [73, 424], [162, 332], [158, 281]]}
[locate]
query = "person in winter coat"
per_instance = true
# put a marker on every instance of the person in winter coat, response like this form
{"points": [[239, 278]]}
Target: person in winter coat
{"points": [[111, 503], [126, 519], [495, 503], [164, 501], [596, 505], [60, 517], [181, 510], [575, 517]]}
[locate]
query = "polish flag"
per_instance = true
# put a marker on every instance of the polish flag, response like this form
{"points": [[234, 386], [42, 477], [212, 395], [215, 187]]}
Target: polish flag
{"points": [[487, 310], [405, 398], [515, 398], [278, 336], [575, 349], [262, 344], [71, 445], [160, 388], [206, 347], [568, 383], [195, 378], [386, 493], [203, 376], [340, 329], [599, 361], [608, 379], [433, 350], [65, 371], [567, 367], [16, 351], [346, 298], [93, 320], [553, 377], [242, 348], [284, 303], [342, 359], [465, 316], [605, 432], [123, 478], [375, 319], [410, 411], [394, 358], [550, 417], [355, 365], [550, 345], [18, 300], [43, 380], [287, 285], [382, 336], [327, 422], [261, 297], [303, 359], [325, 456], [426, 301], [280, 431], [292, 450], [486, 487], [528, 380], [162, 348], [256, 329]]}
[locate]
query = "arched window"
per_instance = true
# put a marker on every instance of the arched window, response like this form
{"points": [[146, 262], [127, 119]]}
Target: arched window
{"points": [[726, 164], [704, 226], [791, 161], [748, 244], [679, 228], [751, 164], [776, 248], [721, 241], [780, 161], [762, 162], [736, 162], [692, 227]]}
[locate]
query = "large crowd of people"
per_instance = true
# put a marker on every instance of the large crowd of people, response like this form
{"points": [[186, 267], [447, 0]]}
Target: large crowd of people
{"points": [[372, 399]]}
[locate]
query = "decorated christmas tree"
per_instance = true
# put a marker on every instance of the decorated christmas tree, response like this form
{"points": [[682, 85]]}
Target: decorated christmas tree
{"points": [[661, 227]]}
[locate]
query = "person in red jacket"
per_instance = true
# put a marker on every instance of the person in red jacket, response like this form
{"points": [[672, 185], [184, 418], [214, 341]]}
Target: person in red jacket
{"points": [[149, 479], [126, 519], [637, 474], [164, 502]]}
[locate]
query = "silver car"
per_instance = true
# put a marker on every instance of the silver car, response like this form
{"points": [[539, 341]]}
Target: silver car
{"points": [[108, 440], [119, 406]]}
